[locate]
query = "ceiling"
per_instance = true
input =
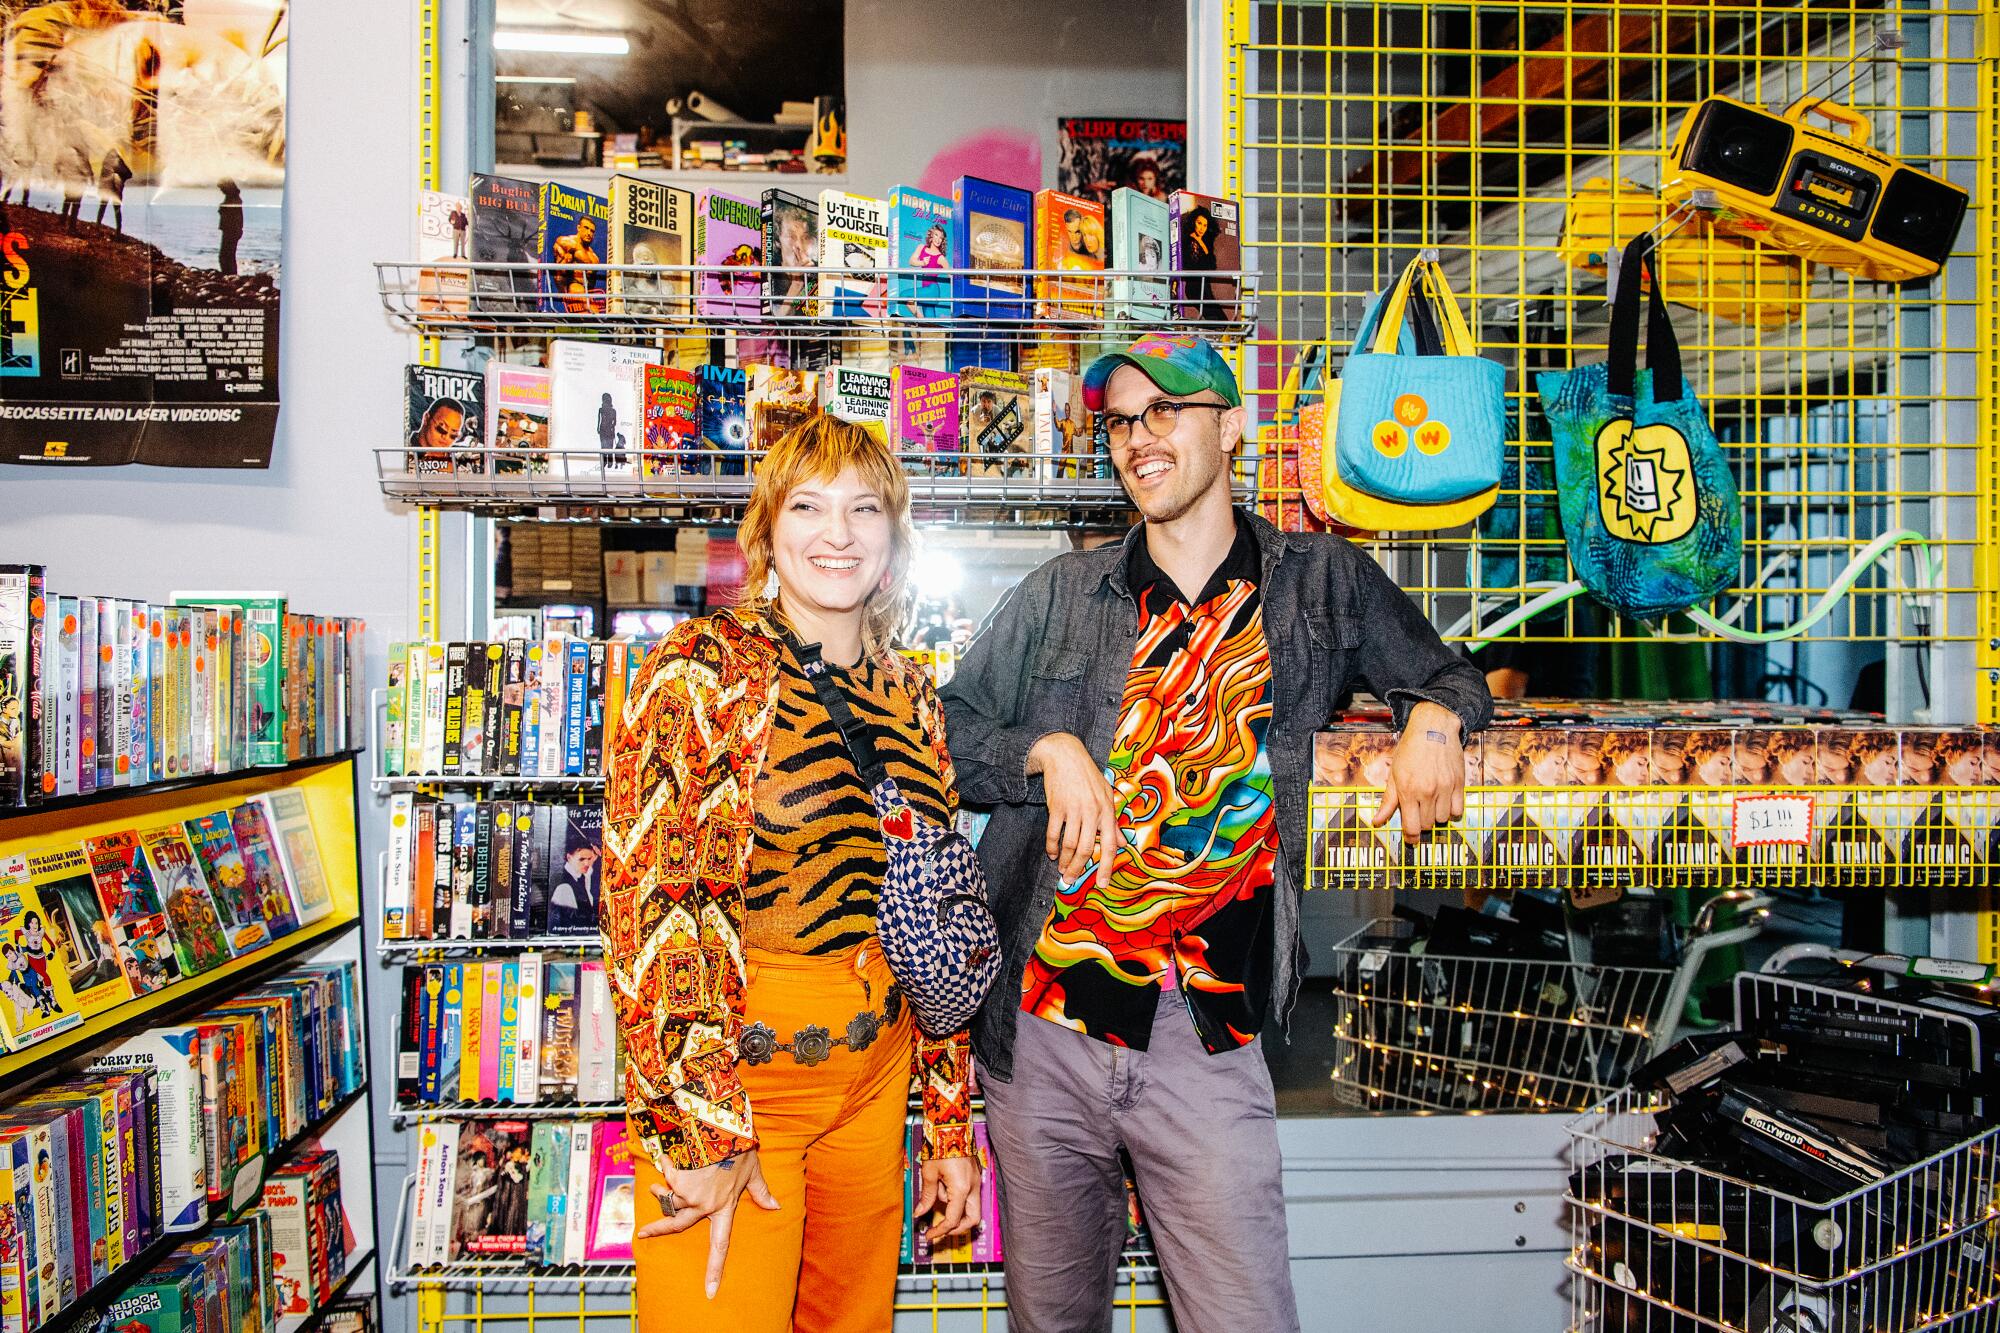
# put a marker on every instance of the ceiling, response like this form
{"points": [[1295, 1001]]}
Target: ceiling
{"points": [[747, 55]]}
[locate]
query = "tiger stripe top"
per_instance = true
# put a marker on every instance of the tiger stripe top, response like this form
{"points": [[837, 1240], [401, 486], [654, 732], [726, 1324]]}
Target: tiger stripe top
{"points": [[817, 859], [682, 791]]}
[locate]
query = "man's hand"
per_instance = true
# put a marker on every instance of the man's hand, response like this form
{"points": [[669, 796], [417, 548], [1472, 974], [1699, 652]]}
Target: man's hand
{"points": [[1083, 810], [711, 1192], [952, 1184], [1426, 773]]}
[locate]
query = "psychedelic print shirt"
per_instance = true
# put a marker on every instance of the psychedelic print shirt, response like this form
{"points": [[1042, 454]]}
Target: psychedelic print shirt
{"points": [[1198, 839]]}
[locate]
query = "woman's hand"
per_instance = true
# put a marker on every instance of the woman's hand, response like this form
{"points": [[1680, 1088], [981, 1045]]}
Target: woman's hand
{"points": [[952, 1184], [711, 1192]]}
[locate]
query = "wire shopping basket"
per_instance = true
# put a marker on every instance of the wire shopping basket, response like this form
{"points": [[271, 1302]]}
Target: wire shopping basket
{"points": [[1661, 1244], [1435, 1032]]}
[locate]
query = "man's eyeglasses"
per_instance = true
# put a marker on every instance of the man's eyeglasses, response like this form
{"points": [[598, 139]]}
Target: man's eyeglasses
{"points": [[1160, 417]]}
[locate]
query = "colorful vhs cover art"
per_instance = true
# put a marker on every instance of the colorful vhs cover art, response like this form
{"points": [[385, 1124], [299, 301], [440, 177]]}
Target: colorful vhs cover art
{"points": [[993, 415], [791, 244], [920, 246], [779, 400], [1203, 239], [924, 419], [490, 1198], [443, 415], [444, 234], [1069, 237], [990, 234], [132, 911], [652, 227], [613, 1196], [1061, 443], [36, 1001], [199, 942], [1098, 155], [260, 862], [506, 224], [860, 396], [75, 922], [576, 880], [672, 427], [238, 903], [853, 256], [725, 422], [572, 237], [517, 418], [1139, 231], [729, 239]]}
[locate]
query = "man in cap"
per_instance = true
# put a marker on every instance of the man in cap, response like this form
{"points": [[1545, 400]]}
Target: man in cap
{"points": [[1140, 717]]}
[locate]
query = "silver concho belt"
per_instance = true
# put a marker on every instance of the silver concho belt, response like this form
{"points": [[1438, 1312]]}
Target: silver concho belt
{"points": [[812, 1044]]}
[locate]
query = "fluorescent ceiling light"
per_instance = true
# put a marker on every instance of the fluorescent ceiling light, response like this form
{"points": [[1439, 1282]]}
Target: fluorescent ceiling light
{"points": [[572, 42], [532, 78]]}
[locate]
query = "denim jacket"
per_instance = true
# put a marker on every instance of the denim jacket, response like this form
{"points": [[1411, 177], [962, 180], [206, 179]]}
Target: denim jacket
{"points": [[1054, 656]]}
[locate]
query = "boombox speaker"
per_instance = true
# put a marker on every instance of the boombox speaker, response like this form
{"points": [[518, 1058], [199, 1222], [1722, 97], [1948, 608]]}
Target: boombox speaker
{"points": [[1825, 196]]}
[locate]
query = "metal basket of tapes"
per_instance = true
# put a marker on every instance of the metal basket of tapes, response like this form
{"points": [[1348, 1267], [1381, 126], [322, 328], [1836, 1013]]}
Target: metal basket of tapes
{"points": [[1432, 1032], [1663, 1244]]}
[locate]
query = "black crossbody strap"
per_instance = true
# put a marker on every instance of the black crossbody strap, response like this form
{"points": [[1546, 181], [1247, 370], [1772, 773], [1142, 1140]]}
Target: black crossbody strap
{"points": [[860, 745]]}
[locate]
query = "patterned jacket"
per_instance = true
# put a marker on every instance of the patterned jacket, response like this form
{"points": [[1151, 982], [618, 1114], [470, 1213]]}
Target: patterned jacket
{"points": [[679, 815]]}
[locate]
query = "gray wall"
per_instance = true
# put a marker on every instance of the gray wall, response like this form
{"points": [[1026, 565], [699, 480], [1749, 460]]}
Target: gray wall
{"points": [[922, 75], [314, 525]]}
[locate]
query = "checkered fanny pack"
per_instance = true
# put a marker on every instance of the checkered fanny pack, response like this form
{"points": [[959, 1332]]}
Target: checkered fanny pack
{"points": [[938, 934]]}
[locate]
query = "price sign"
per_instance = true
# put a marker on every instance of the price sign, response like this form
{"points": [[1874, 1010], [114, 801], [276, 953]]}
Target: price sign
{"points": [[1772, 821]]}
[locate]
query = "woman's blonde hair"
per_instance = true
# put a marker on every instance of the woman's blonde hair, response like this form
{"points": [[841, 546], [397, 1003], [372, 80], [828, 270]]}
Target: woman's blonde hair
{"points": [[820, 449]]}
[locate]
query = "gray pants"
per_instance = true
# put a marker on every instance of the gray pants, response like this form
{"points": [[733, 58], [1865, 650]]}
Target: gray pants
{"points": [[1202, 1133]]}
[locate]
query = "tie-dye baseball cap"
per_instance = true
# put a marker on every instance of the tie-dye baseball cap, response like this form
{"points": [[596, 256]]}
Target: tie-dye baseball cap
{"points": [[1177, 362]]}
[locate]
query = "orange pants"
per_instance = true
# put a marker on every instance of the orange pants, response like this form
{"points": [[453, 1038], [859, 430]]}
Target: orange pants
{"points": [[830, 1140]]}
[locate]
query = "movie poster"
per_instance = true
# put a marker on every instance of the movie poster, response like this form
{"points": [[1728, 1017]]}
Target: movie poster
{"points": [[142, 173], [1098, 154]]}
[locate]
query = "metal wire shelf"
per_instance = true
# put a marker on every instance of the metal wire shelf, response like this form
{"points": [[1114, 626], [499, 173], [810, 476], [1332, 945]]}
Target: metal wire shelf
{"points": [[590, 945], [502, 1276], [517, 300], [407, 1114], [1657, 1242], [420, 781], [698, 486], [1601, 840], [1439, 1033]]}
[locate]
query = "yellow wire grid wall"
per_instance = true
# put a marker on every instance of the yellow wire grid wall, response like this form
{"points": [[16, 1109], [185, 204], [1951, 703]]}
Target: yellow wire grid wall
{"points": [[1524, 141]]}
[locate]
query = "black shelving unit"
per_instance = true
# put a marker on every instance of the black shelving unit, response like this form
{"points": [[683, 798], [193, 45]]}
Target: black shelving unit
{"points": [[81, 1315], [109, 795], [67, 1052]]}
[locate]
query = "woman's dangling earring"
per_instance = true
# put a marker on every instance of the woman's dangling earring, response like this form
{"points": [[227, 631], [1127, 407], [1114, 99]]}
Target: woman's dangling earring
{"points": [[771, 585]]}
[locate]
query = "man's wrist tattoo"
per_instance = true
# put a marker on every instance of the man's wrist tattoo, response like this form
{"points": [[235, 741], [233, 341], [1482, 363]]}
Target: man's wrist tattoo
{"points": [[1437, 736]]}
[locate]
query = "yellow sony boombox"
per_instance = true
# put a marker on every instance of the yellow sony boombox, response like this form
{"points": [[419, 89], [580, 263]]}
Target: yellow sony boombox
{"points": [[1825, 196]]}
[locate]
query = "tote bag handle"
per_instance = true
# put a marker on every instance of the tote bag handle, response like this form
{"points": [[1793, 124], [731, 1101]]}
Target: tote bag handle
{"points": [[1398, 325], [1444, 305], [1663, 351]]}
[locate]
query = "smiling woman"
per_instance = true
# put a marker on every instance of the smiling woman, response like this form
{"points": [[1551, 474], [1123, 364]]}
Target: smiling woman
{"points": [[827, 539], [771, 1049]]}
